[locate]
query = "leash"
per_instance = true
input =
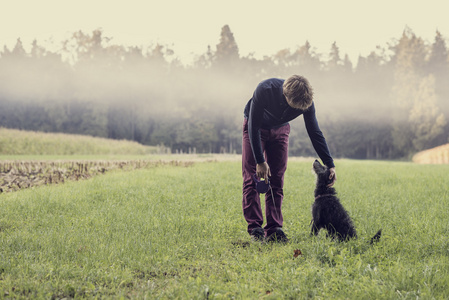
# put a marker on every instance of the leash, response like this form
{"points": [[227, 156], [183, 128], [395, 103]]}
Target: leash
{"points": [[262, 188]]}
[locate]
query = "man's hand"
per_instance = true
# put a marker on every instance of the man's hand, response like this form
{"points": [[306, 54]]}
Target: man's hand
{"points": [[332, 176], [263, 171]]}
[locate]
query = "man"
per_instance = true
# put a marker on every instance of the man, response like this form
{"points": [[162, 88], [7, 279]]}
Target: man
{"points": [[275, 102]]}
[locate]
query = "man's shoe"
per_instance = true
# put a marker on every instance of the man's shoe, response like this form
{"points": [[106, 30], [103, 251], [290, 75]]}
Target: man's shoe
{"points": [[257, 234], [278, 236]]}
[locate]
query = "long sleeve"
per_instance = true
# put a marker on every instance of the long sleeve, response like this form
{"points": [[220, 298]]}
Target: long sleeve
{"points": [[317, 137], [254, 124]]}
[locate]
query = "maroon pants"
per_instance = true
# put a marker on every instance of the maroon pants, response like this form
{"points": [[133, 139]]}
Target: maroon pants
{"points": [[275, 145]]}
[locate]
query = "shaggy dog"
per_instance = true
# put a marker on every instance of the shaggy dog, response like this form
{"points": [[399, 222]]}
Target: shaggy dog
{"points": [[327, 211]]}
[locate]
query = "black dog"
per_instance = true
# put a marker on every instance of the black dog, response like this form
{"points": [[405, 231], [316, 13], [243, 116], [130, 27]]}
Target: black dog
{"points": [[327, 211]]}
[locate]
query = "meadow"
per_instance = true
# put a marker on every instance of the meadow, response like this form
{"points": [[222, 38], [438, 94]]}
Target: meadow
{"points": [[21, 142], [177, 232]]}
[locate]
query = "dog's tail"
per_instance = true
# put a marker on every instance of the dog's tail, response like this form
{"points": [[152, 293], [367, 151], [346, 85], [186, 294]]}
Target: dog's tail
{"points": [[376, 237]]}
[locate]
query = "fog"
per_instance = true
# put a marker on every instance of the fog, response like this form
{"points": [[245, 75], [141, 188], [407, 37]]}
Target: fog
{"points": [[372, 108]]}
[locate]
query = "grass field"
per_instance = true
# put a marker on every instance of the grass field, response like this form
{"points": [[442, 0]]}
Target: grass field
{"points": [[178, 232], [20, 142]]}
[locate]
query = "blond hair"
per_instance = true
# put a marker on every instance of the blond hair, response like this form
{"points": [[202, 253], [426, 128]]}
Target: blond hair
{"points": [[298, 91]]}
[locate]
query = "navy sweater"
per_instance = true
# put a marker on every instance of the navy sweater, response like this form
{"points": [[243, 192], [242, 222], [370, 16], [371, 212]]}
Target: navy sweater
{"points": [[268, 109]]}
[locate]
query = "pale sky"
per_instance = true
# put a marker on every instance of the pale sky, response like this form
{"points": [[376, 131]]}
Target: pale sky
{"points": [[261, 27]]}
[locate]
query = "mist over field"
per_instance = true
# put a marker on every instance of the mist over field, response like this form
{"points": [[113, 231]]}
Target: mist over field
{"points": [[390, 104]]}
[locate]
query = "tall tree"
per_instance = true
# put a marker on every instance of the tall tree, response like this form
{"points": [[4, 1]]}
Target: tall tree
{"points": [[438, 59], [303, 60], [418, 121], [334, 63], [227, 50], [37, 51], [18, 50], [308, 58], [425, 118], [438, 65], [409, 61], [204, 61]]}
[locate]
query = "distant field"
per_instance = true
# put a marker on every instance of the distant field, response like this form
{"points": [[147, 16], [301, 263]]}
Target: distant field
{"points": [[18, 142], [437, 155], [177, 232]]}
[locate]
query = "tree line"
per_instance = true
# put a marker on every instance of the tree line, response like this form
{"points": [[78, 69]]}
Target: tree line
{"points": [[389, 105]]}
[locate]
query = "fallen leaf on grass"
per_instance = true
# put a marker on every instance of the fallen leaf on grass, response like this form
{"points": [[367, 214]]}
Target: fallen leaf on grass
{"points": [[297, 253]]}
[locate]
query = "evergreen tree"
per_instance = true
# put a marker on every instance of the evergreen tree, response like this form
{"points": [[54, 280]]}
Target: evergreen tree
{"points": [[409, 61], [418, 121], [5, 52], [204, 61], [227, 50], [304, 60], [334, 63], [308, 58], [438, 65], [18, 51], [438, 60], [36, 50], [425, 118]]}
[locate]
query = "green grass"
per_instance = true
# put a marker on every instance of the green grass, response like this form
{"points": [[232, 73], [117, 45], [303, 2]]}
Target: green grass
{"points": [[19, 142], [178, 232]]}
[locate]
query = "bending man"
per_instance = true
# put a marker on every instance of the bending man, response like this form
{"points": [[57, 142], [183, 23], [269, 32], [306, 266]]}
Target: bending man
{"points": [[275, 102]]}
